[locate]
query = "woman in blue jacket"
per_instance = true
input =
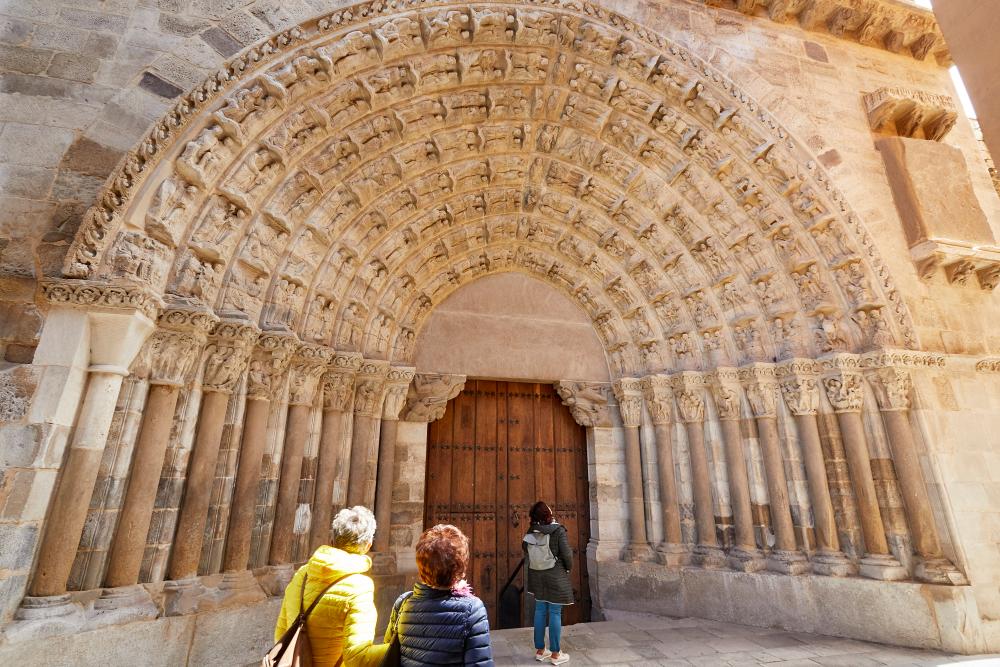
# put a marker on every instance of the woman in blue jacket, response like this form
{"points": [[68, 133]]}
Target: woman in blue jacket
{"points": [[441, 622]]}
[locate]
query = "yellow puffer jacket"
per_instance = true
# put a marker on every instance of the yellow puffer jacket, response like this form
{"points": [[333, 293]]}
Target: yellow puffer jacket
{"points": [[343, 623]]}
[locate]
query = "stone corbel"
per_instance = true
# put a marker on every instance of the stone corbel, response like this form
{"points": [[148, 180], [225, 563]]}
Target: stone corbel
{"points": [[397, 384], [270, 358], [910, 113], [963, 263], [428, 396], [369, 388], [308, 363], [587, 402]]}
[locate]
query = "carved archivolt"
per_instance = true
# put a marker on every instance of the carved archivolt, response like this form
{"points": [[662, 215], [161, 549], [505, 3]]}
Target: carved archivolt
{"points": [[340, 180]]}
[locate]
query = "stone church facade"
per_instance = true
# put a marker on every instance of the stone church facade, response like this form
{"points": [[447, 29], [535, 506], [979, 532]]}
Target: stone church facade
{"points": [[251, 252]]}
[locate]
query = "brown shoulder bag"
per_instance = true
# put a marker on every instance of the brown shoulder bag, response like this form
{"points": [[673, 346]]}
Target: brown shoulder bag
{"points": [[293, 649]]}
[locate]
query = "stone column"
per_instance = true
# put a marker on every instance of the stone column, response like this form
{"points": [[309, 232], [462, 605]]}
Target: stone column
{"points": [[744, 556], [368, 395], [175, 347], [800, 389], [892, 386], [656, 390], [225, 361], [689, 388], [115, 335], [845, 389], [628, 391], [762, 393], [308, 364], [338, 398], [397, 384]]}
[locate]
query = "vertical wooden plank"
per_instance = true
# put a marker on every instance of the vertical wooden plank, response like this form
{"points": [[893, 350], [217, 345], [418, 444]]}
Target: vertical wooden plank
{"points": [[486, 547], [437, 492]]}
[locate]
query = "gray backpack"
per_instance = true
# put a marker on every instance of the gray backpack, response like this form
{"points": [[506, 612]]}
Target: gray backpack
{"points": [[540, 556]]}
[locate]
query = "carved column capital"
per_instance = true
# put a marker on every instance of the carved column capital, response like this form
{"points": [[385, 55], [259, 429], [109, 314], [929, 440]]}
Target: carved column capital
{"points": [[689, 390], [177, 343], [891, 386], [268, 361], [587, 402], [659, 396], [843, 382], [628, 391], [725, 386], [229, 347], [799, 380], [307, 365], [369, 388], [761, 384], [338, 381], [397, 384], [428, 396]]}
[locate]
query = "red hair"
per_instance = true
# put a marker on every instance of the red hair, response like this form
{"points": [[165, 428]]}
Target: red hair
{"points": [[442, 555]]}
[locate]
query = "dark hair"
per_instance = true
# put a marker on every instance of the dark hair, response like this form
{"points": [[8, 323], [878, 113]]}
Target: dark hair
{"points": [[540, 513], [442, 555]]}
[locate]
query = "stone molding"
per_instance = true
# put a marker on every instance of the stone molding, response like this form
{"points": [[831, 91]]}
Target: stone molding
{"points": [[587, 402], [689, 390], [659, 396], [282, 72], [990, 365], [96, 294], [308, 363], [397, 385], [903, 358], [268, 362], [910, 113], [227, 353], [369, 388], [628, 392], [427, 397]]}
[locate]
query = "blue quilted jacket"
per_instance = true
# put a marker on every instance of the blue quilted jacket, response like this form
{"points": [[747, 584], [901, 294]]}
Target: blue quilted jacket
{"points": [[438, 628]]}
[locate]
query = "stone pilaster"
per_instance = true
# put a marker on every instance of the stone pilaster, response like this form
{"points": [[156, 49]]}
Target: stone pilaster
{"points": [[659, 403], [689, 391], [369, 393], [844, 386], [761, 385], [892, 386], [397, 385], [725, 386], [628, 391], [338, 398]]}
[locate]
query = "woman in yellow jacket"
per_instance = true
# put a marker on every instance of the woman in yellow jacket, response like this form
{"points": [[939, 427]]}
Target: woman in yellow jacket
{"points": [[342, 625]]}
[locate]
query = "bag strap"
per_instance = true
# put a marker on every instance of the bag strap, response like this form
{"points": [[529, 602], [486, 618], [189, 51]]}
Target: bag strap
{"points": [[397, 608], [305, 578]]}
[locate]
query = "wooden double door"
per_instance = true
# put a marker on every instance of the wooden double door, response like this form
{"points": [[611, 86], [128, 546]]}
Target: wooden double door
{"points": [[500, 447]]}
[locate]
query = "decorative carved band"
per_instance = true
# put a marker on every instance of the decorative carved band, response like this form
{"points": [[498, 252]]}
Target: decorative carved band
{"points": [[587, 402], [428, 396], [97, 294], [991, 365]]}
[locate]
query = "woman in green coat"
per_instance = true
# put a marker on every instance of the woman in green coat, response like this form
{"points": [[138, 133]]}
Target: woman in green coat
{"points": [[549, 559]]}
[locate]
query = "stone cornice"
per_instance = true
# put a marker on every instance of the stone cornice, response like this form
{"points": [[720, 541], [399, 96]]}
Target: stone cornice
{"points": [[892, 25]]}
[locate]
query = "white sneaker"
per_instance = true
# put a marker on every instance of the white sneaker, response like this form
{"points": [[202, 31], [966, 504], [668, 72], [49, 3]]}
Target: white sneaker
{"points": [[563, 657], [543, 656]]}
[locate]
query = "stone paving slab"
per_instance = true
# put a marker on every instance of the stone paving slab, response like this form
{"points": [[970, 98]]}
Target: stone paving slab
{"points": [[637, 640]]}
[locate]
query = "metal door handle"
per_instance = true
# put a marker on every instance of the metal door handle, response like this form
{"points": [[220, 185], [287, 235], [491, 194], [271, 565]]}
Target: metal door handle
{"points": [[515, 518]]}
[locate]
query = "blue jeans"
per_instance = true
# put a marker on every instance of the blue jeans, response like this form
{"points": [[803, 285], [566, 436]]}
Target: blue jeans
{"points": [[546, 611]]}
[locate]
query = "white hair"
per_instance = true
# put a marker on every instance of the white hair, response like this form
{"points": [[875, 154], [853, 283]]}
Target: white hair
{"points": [[353, 529]]}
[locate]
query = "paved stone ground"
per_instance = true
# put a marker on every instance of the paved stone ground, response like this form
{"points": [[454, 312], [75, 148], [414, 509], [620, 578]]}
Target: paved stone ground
{"points": [[642, 639]]}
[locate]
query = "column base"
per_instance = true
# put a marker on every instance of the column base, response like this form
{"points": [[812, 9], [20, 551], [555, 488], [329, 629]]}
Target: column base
{"points": [[939, 571], [787, 562], [182, 597], [637, 553], [833, 564], [673, 555], [45, 616], [236, 588], [746, 560], [274, 579], [122, 604], [710, 558], [883, 568]]}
